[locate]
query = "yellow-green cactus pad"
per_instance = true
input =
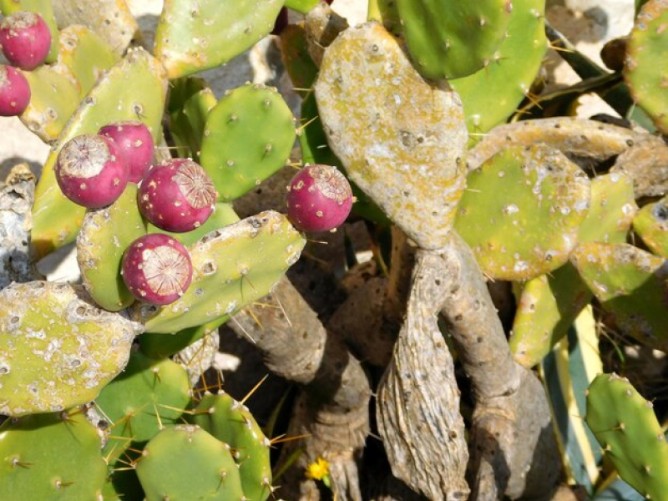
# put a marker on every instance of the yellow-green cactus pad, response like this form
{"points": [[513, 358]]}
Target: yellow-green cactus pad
{"points": [[57, 350], [522, 210], [631, 285], [232, 267], [51, 456], [644, 70], [56, 220], [400, 139], [194, 36], [651, 224]]}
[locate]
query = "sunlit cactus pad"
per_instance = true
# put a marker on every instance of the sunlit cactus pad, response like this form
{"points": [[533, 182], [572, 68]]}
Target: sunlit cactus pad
{"points": [[232, 267], [521, 211], [401, 140], [625, 425], [186, 462], [51, 456], [631, 285], [248, 136], [651, 224], [645, 75], [194, 36], [57, 350]]}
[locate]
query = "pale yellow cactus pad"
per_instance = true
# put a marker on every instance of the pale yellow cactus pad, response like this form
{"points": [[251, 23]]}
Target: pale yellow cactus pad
{"points": [[400, 138]]}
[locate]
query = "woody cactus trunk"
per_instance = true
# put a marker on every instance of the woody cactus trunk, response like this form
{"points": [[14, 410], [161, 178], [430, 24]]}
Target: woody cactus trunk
{"points": [[443, 343]]}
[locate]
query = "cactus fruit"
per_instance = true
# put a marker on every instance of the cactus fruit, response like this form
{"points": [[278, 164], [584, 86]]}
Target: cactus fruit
{"points": [[57, 350], [646, 79], [178, 455], [25, 39], [135, 145], [177, 195], [651, 224], [91, 171], [626, 426], [51, 456], [14, 91], [157, 269], [45, 9], [532, 201], [319, 198]]}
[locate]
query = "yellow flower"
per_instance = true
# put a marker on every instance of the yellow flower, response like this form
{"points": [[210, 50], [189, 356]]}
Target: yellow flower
{"points": [[318, 470]]}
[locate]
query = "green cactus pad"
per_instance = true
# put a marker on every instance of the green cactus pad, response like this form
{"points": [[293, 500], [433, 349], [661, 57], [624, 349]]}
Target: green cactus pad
{"points": [[549, 304], [400, 139], [57, 350], [450, 38], [385, 12], [631, 286], [192, 37], [148, 395], [522, 210], [232, 267], [110, 19], [102, 240], [492, 94], [186, 462], [45, 9], [249, 135], [646, 77], [160, 346], [56, 220], [232, 423], [51, 456], [651, 224], [625, 425], [302, 6]]}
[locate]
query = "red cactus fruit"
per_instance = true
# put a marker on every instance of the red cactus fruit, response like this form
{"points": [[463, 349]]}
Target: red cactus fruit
{"points": [[319, 198], [177, 195], [90, 171], [157, 269], [135, 144], [25, 39], [14, 91]]}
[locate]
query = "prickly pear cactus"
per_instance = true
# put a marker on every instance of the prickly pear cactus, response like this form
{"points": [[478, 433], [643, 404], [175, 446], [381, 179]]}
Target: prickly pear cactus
{"points": [[452, 39], [248, 136], [647, 79], [57, 350], [400, 139], [177, 455], [45, 9], [625, 425], [51, 456], [522, 210], [651, 224]]}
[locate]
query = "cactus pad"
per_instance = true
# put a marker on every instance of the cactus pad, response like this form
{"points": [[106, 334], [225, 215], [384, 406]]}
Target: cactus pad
{"points": [[452, 39], [521, 211], [51, 456], [56, 349], [249, 135], [192, 37], [56, 219], [651, 224], [231, 422], [232, 267], [631, 286], [148, 395], [186, 462], [400, 139], [646, 79], [625, 425]]}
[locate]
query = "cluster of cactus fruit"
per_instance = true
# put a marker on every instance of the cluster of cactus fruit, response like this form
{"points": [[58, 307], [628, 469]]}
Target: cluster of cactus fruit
{"points": [[96, 403]]}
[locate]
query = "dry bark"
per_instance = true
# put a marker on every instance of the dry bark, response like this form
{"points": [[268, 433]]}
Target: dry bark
{"points": [[418, 399], [513, 448]]}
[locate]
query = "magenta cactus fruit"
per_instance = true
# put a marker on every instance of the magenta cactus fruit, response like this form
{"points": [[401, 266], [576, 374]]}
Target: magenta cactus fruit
{"points": [[90, 171], [319, 198], [14, 91], [157, 269], [177, 195], [135, 144], [25, 39]]}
